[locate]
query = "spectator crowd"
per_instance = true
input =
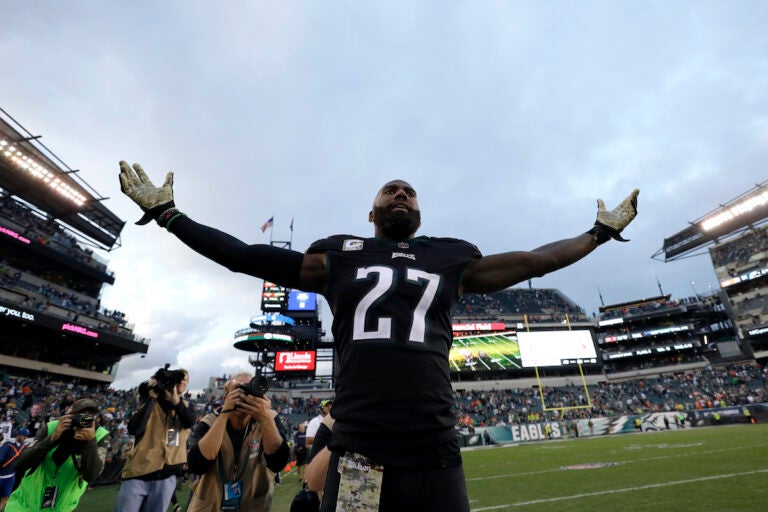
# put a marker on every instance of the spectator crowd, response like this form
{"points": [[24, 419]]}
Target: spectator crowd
{"points": [[30, 402]]}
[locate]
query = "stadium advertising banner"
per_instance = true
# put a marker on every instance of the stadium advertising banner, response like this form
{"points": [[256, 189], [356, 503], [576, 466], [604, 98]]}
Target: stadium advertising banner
{"points": [[479, 326], [555, 348], [295, 360], [13, 234], [24, 316], [43, 320], [19, 314], [748, 276], [644, 334]]}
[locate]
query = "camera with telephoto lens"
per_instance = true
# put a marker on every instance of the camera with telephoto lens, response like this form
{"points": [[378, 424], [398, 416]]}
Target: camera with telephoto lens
{"points": [[166, 381], [258, 386], [82, 420]]}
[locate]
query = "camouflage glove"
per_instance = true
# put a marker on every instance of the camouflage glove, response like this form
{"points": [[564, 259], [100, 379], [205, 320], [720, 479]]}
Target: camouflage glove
{"points": [[153, 200], [610, 223]]}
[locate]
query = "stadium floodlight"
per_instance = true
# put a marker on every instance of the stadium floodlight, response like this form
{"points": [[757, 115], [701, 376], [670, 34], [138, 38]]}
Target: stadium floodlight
{"points": [[34, 169], [741, 208], [749, 210]]}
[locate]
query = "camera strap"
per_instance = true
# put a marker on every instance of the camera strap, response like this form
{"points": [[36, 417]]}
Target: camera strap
{"points": [[146, 411], [241, 460]]}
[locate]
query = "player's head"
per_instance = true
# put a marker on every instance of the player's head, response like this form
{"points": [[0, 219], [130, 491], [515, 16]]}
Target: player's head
{"points": [[395, 211]]}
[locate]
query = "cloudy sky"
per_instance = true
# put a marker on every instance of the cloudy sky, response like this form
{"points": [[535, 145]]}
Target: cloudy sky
{"points": [[509, 118]]}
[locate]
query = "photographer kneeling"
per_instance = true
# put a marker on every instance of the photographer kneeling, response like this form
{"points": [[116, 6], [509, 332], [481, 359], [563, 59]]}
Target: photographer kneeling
{"points": [[234, 450], [159, 454], [68, 453]]}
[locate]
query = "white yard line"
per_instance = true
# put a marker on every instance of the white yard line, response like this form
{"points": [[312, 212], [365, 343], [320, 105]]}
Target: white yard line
{"points": [[625, 489], [631, 461]]}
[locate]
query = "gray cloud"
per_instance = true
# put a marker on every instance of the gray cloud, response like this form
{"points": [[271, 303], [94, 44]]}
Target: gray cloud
{"points": [[509, 118]]}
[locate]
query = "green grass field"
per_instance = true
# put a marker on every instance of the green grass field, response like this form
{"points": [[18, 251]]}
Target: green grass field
{"points": [[718, 469]]}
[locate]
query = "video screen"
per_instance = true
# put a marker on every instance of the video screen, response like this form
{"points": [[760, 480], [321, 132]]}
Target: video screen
{"points": [[301, 301], [517, 350], [273, 297], [485, 352], [556, 348]]}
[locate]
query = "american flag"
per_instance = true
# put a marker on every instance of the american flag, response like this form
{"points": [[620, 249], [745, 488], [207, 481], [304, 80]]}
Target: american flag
{"points": [[267, 224]]}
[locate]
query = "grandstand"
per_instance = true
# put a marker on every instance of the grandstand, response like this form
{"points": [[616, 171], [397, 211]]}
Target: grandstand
{"points": [[515, 305], [741, 265], [735, 236], [659, 335], [52, 223], [691, 390]]}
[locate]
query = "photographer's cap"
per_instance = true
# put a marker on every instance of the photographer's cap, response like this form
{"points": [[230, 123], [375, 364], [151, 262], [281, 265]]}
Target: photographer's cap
{"points": [[326, 402], [84, 404]]}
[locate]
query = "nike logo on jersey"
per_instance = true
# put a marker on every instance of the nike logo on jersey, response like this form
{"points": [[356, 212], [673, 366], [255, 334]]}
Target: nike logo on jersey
{"points": [[403, 255]]}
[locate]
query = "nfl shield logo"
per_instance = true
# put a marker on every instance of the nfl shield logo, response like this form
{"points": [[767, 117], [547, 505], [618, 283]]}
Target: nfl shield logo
{"points": [[402, 245]]}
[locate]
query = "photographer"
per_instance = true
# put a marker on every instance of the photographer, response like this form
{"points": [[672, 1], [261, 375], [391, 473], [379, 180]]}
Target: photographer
{"points": [[68, 453], [160, 427], [237, 450]]}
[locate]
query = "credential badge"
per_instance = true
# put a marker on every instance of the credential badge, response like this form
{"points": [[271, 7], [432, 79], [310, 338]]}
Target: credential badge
{"points": [[352, 244]]}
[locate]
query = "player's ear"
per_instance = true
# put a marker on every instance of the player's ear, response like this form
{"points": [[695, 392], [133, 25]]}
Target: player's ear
{"points": [[370, 216]]}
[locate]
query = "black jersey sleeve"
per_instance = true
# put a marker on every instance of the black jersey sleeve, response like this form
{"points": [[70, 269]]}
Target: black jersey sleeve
{"points": [[472, 250], [281, 266], [332, 243]]}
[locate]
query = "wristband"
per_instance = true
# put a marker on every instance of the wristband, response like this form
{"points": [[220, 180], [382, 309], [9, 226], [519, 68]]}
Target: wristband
{"points": [[168, 215], [155, 212], [175, 216]]}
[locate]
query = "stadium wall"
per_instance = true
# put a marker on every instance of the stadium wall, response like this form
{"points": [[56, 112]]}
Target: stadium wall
{"points": [[488, 385], [625, 424]]}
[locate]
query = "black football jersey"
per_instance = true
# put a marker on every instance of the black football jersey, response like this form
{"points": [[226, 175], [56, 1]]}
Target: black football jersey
{"points": [[392, 305]]}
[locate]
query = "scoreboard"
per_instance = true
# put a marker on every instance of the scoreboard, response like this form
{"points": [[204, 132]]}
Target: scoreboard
{"points": [[273, 297], [279, 299]]}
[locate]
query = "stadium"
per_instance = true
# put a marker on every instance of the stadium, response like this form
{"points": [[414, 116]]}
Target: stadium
{"points": [[641, 406]]}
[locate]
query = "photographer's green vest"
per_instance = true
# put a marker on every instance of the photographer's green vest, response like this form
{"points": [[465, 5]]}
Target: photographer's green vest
{"points": [[67, 480], [152, 452], [249, 468]]}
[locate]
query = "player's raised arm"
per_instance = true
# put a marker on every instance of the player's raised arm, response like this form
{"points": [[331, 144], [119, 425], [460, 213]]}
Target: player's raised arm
{"points": [[281, 266], [499, 271]]}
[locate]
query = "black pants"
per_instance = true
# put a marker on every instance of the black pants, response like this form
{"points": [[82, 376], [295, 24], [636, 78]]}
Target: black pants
{"points": [[433, 489]]}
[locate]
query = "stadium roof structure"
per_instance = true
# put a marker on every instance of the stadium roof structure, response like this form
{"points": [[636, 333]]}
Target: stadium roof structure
{"points": [[33, 173], [635, 303], [746, 211]]}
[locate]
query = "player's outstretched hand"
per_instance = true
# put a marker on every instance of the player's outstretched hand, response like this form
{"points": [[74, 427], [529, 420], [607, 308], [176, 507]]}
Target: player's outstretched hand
{"points": [[618, 218], [135, 183]]}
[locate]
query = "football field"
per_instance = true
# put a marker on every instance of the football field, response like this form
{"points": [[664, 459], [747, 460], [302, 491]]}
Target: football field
{"points": [[714, 469]]}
